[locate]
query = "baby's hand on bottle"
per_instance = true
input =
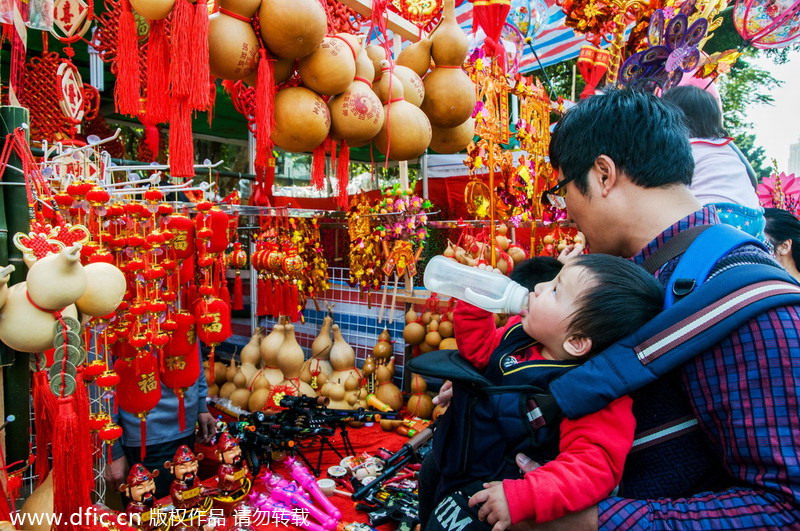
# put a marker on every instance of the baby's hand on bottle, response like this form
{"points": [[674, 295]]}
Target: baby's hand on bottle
{"points": [[489, 268]]}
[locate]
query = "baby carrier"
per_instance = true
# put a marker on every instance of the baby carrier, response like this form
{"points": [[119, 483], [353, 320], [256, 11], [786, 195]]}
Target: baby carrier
{"points": [[706, 299]]}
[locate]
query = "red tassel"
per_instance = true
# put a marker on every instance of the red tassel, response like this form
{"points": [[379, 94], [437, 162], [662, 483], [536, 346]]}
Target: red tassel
{"points": [[265, 296], [182, 408], [198, 49], [269, 179], [265, 110], [157, 105], [143, 436], [294, 300], [84, 480], [181, 145], [343, 174], [211, 367], [152, 138], [180, 72], [67, 498], [44, 407], [318, 167], [127, 87], [238, 299]]}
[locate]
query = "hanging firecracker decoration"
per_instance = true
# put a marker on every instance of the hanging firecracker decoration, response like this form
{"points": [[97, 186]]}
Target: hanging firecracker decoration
{"points": [[365, 254]]}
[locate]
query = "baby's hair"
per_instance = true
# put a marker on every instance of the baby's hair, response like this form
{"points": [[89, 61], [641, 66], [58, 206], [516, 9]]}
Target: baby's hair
{"points": [[535, 270], [620, 298]]}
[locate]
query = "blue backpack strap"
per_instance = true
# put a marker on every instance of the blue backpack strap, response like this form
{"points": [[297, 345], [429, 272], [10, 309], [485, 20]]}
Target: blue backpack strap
{"points": [[691, 326], [701, 257]]}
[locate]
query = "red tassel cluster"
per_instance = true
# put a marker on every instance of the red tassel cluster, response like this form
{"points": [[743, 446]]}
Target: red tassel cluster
{"points": [[238, 297], [127, 87], [157, 107], [70, 495], [318, 166], [181, 145], [343, 174], [200, 97]]}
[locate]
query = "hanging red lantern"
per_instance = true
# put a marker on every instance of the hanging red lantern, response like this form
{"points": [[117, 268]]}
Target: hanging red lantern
{"points": [[108, 380], [97, 421], [181, 365], [214, 318], [182, 228], [138, 391]]}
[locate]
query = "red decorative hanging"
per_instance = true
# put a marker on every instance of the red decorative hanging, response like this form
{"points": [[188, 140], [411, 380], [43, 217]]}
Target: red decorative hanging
{"points": [[138, 390], [181, 364]]}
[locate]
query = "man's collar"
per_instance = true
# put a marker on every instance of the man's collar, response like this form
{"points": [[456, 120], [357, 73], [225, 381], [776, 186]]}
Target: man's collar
{"points": [[705, 216]]}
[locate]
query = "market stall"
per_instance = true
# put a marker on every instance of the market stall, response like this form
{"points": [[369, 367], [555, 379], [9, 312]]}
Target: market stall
{"points": [[256, 345]]}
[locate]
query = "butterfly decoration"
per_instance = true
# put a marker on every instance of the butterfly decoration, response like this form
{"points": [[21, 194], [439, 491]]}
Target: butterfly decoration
{"points": [[674, 49]]}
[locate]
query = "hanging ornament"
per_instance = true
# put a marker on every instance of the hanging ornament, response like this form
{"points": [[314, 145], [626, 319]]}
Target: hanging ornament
{"points": [[767, 23]]}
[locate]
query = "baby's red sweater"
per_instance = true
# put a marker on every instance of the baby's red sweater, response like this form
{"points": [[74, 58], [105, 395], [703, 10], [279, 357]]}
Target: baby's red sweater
{"points": [[592, 449]]}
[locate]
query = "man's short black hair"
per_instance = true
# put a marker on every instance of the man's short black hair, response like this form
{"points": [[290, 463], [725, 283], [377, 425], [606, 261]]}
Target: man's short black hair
{"points": [[645, 138], [622, 298], [701, 112], [535, 270]]}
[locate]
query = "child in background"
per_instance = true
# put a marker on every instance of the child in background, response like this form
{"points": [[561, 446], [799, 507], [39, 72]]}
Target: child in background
{"points": [[722, 176], [594, 301]]}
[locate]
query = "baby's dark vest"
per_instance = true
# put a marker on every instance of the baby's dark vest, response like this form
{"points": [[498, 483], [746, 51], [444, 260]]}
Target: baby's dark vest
{"points": [[492, 419]]}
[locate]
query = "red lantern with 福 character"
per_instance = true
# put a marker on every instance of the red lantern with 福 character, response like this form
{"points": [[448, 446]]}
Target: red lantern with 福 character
{"points": [[182, 229], [214, 324], [181, 364], [138, 390]]}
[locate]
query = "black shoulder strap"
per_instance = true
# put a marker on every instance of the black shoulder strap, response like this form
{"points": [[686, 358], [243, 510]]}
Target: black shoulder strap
{"points": [[677, 245]]}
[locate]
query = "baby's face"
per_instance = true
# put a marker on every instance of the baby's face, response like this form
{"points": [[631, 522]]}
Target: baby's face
{"points": [[549, 308]]}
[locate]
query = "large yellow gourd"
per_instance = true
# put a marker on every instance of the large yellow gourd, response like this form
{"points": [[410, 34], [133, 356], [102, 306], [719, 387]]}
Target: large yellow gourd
{"points": [[269, 354], [449, 44], [330, 68], [232, 47], [25, 328], [57, 280], [302, 120], [452, 139], [290, 362], [413, 88], [449, 97], [357, 114], [292, 28], [416, 56], [153, 9], [104, 290]]}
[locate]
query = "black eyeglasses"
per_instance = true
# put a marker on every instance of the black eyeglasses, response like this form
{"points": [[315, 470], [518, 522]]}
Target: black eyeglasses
{"points": [[556, 196]]}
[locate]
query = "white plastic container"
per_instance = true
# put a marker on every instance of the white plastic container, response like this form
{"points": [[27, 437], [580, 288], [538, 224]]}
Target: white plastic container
{"points": [[485, 289]]}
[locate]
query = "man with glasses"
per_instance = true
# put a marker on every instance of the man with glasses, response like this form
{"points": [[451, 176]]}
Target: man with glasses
{"points": [[625, 163]]}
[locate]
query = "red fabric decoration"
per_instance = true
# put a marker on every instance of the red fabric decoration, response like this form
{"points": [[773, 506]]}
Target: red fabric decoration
{"points": [[127, 88], [343, 174], [67, 499], [318, 166], [214, 318], [200, 97], [238, 297], [44, 405], [182, 227], [181, 144], [592, 64], [138, 390], [181, 76], [264, 114], [181, 365], [157, 106], [217, 221], [491, 15]]}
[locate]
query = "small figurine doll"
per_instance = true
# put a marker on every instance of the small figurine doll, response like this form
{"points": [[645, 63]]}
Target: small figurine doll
{"points": [[140, 488], [233, 470], [185, 489]]}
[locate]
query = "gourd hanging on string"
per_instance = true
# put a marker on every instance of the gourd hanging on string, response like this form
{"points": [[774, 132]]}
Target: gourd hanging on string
{"points": [[250, 356], [292, 29], [232, 41], [416, 56]]}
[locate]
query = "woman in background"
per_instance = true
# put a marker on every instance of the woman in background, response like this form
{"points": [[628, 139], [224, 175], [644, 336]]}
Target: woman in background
{"points": [[783, 232]]}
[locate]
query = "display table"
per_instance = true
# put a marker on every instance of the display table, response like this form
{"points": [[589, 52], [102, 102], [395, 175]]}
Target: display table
{"points": [[365, 439]]}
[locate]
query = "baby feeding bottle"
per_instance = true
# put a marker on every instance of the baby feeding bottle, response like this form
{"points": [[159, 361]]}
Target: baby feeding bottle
{"points": [[487, 290]]}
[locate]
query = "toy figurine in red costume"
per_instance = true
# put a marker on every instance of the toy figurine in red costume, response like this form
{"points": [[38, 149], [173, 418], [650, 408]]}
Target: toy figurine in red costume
{"points": [[233, 470], [140, 488], [185, 490]]}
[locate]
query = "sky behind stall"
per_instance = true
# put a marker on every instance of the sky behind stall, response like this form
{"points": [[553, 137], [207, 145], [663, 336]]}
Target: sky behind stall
{"points": [[778, 126]]}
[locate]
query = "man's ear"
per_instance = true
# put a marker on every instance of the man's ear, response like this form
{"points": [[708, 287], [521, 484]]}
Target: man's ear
{"points": [[606, 173], [578, 346]]}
